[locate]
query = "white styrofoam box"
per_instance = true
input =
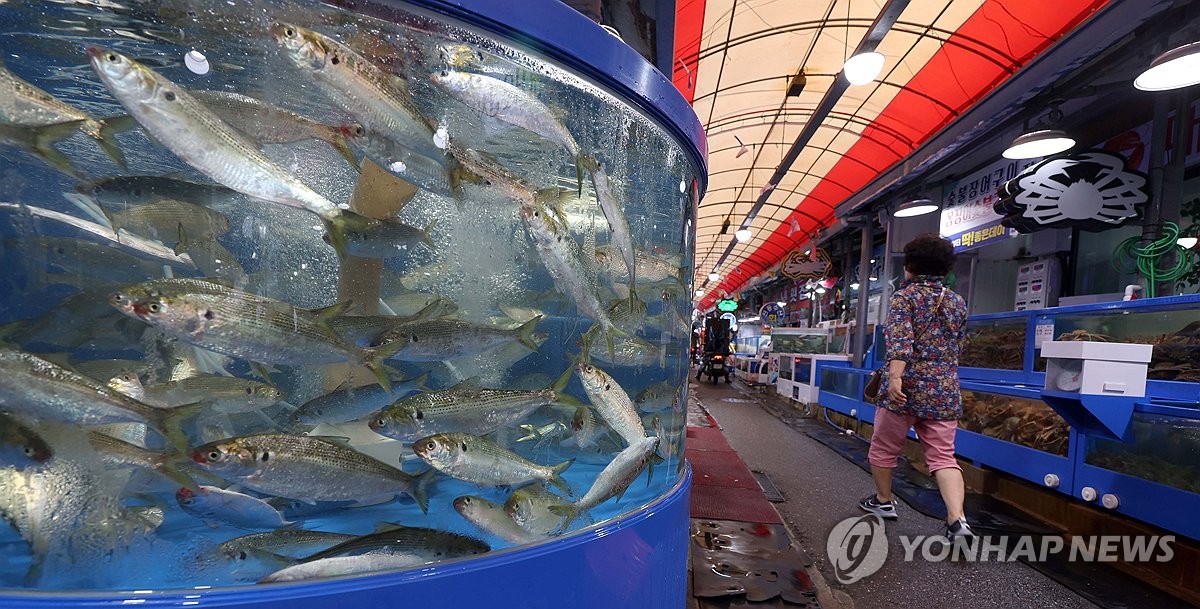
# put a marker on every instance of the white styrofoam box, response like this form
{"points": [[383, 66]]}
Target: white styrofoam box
{"points": [[1096, 368], [1087, 349]]}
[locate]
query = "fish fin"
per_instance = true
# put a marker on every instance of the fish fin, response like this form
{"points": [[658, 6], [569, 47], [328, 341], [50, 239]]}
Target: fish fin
{"points": [[325, 314], [271, 558], [174, 474], [530, 433], [373, 360], [557, 480], [384, 526], [420, 488], [91, 208], [338, 141], [170, 424], [106, 136], [181, 244], [651, 462], [264, 371], [342, 441], [425, 234], [44, 139], [421, 382], [569, 512], [525, 333], [336, 228], [563, 380], [567, 400]]}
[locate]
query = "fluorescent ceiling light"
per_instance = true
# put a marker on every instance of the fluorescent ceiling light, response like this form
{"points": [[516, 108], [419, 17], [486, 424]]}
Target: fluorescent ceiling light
{"points": [[742, 234], [863, 68], [1039, 143], [872, 278], [916, 207], [713, 276], [1187, 243], [1175, 69]]}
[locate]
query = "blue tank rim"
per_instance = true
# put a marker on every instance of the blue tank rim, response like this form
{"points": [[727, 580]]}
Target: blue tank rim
{"points": [[564, 35], [251, 593]]}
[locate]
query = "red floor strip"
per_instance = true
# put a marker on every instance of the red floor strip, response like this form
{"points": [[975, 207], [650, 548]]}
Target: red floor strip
{"points": [[722, 486]]}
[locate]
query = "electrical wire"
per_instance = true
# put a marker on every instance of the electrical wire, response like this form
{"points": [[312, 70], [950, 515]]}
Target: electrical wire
{"points": [[1146, 259]]}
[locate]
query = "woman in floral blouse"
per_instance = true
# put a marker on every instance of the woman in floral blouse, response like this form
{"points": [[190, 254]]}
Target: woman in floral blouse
{"points": [[924, 332]]}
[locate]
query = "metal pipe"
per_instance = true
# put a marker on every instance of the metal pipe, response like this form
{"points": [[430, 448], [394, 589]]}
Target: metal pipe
{"points": [[864, 291]]}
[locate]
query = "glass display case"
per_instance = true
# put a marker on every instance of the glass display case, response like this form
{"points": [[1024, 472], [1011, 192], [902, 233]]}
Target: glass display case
{"points": [[1174, 332], [800, 340], [1023, 421], [254, 249], [995, 343], [1162, 448]]}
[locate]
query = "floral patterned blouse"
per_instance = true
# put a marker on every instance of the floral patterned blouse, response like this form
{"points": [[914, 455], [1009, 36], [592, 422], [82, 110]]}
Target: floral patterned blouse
{"points": [[930, 342]]}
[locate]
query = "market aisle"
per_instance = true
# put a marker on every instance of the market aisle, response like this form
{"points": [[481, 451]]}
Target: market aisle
{"points": [[822, 488]]}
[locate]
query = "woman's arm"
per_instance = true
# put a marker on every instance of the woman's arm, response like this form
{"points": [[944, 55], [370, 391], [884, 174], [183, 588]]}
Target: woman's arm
{"points": [[898, 336]]}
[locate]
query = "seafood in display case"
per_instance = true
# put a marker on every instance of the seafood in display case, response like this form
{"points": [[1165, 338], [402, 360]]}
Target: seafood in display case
{"points": [[1023, 421], [291, 292], [1175, 355], [994, 344], [1163, 449]]}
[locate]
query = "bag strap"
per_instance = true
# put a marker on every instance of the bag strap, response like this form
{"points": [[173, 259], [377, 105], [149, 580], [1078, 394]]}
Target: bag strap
{"points": [[936, 308]]}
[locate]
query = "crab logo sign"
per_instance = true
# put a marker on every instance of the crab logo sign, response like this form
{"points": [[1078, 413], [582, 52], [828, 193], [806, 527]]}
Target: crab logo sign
{"points": [[1091, 190], [799, 265]]}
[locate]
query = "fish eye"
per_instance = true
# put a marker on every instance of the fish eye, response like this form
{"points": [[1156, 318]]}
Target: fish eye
{"points": [[208, 314], [420, 415], [214, 456], [430, 445], [464, 446], [117, 298], [289, 32], [466, 501], [358, 130], [242, 555], [445, 73], [111, 56], [29, 451], [169, 95], [414, 337], [266, 455], [249, 391], [155, 307], [378, 422]]}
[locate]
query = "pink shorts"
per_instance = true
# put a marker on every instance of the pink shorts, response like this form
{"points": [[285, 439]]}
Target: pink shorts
{"points": [[937, 440]]}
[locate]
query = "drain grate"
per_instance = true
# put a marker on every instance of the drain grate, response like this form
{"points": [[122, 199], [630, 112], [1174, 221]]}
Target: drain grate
{"points": [[768, 488]]}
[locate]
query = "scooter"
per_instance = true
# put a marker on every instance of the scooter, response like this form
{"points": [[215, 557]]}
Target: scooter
{"points": [[715, 365]]}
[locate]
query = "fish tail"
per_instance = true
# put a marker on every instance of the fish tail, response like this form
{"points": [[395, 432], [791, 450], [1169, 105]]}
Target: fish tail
{"points": [[171, 471], [181, 244], [525, 333], [337, 225], [375, 364], [171, 424], [106, 136], [420, 488], [569, 513], [338, 141], [557, 480], [563, 379], [43, 146], [579, 160], [425, 238]]}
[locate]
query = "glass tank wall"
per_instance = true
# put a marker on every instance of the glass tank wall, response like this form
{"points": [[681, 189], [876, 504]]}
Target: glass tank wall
{"points": [[1163, 449], [291, 292], [1174, 333], [1019, 420], [994, 343]]}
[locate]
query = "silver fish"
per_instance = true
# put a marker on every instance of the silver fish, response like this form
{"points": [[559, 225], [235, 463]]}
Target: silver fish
{"points": [[376, 100], [610, 260], [560, 253], [627, 351], [168, 219], [215, 505], [268, 124], [619, 233], [117, 453], [500, 100], [224, 394], [438, 175], [101, 261], [492, 519], [350, 404], [385, 239], [292, 543], [613, 480], [369, 329], [530, 508], [612, 403], [123, 192], [427, 545], [25, 105], [412, 303], [123, 239], [240, 324], [464, 407], [342, 565], [308, 468], [199, 137], [20, 446], [443, 339], [481, 461]]}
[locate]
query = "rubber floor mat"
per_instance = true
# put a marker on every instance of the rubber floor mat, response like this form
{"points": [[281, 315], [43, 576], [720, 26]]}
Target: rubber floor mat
{"points": [[756, 561], [729, 503], [719, 468], [706, 438]]}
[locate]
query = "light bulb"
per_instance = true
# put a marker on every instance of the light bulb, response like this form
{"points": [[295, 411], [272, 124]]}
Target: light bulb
{"points": [[713, 276], [1175, 69], [1187, 243], [742, 234], [854, 286], [863, 68], [699, 293], [1038, 144]]}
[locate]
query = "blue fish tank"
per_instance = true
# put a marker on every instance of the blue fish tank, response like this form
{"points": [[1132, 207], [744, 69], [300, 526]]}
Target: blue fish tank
{"points": [[334, 304]]}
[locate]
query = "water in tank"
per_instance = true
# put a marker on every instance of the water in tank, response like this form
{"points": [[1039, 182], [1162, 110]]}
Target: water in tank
{"points": [[291, 292]]}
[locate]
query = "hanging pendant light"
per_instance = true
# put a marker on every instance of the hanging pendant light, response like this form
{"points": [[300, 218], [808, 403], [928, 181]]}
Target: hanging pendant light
{"points": [[713, 276], [863, 68], [742, 234], [1175, 69], [916, 207], [1044, 142]]}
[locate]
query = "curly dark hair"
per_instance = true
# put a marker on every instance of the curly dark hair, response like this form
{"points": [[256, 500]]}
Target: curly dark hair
{"points": [[929, 254]]}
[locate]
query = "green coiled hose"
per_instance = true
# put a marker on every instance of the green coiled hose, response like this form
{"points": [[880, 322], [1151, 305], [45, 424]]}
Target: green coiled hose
{"points": [[1145, 259]]}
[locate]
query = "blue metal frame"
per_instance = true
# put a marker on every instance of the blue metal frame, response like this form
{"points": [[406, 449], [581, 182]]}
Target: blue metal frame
{"points": [[1152, 502], [563, 35]]}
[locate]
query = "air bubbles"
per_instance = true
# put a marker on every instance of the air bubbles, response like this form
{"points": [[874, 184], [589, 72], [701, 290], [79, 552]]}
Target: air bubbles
{"points": [[441, 138], [682, 186], [399, 166], [196, 62]]}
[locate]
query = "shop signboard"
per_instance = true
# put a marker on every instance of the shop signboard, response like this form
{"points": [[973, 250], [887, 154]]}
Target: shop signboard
{"points": [[1134, 143], [1091, 190], [732, 321], [771, 314], [727, 305], [968, 219], [812, 264]]}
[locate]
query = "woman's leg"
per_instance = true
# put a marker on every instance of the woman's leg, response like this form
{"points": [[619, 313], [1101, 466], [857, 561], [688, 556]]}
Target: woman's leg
{"points": [[937, 440], [887, 440]]}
